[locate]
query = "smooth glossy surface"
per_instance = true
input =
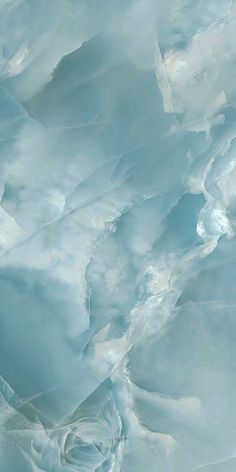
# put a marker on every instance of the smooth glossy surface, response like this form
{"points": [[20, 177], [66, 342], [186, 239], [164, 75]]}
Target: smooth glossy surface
{"points": [[117, 236]]}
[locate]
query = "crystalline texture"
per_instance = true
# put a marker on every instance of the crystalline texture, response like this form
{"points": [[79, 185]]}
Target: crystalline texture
{"points": [[117, 236]]}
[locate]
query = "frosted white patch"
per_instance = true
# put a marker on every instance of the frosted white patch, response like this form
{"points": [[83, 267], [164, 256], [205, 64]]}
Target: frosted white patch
{"points": [[195, 185], [16, 64], [10, 231], [163, 83], [186, 410], [159, 279], [213, 221], [227, 185]]}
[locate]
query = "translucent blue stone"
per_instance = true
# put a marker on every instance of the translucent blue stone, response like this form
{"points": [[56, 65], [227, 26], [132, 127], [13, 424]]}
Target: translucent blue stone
{"points": [[117, 236]]}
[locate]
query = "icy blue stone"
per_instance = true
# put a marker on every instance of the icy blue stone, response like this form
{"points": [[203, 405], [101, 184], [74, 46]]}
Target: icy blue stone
{"points": [[117, 236]]}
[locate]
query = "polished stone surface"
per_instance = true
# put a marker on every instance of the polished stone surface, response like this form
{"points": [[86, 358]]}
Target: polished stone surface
{"points": [[117, 236]]}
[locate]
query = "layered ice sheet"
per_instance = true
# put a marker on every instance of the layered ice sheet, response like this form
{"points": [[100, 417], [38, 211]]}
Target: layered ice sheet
{"points": [[117, 236]]}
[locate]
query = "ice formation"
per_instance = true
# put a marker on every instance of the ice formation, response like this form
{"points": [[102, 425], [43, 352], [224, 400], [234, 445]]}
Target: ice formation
{"points": [[117, 236]]}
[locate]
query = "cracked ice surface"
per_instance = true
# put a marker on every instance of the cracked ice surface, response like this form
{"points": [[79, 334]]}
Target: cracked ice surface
{"points": [[117, 236]]}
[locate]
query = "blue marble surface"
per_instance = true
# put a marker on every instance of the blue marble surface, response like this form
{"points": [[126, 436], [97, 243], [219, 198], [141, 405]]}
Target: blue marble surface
{"points": [[117, 236]]}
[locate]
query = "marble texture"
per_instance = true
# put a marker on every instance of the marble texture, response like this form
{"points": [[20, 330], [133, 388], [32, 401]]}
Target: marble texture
{"points": [[117, 236]]}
